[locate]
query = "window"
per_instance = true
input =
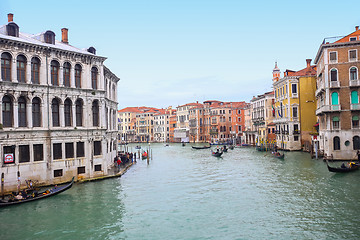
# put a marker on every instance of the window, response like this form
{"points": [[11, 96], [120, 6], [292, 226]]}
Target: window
{"points": [[78, 76], [352, 39], [67, 112], [336, 143], [352, 55], [49, 37], [354, 97], [94, 75], [296, 138], [7, 111], [355, 121], [66, 73], [57, 151], [22, 112], [69, 150], [21, 68], [97, 168], [24, 153], [95, 113], [353, 73], [55, 112], [333, 75], [335, 121], [81, 170], [335, 98], [58, 173], [80, 149], [97, 148], [9, 150], [12, 29], [38, 152], [79, 112], [54, 73], [295, 112], [35, 70], [356, 143], [333, 56], [6, 67], [36, 113]]}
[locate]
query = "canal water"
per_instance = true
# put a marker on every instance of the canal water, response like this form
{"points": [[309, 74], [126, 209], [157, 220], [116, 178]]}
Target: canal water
{"points": [[188, 194]]}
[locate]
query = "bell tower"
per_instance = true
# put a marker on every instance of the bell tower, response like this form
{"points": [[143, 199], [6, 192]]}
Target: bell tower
{"points": [[276, 73]]}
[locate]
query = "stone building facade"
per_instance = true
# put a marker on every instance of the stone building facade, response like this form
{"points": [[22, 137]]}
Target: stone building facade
{"points": [[58, 109]]}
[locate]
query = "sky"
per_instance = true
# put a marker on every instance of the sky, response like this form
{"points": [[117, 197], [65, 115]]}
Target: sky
{"points": [[173, 52]]}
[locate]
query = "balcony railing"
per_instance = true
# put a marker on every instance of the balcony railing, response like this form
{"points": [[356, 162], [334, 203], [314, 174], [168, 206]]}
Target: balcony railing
{"points": [[334, 84], [355, 106], [354, 83], [328, 108], [296, 132]]}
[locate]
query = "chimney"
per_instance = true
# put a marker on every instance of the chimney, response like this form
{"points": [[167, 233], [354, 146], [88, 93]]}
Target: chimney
{"points": [[356, 28], [308, 61], [64, 35], [10, 17]]}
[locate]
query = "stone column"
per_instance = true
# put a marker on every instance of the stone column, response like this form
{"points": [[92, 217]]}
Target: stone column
{"points": [[73, 114], [28, 72], [72, 76], [29, 114], [61, 76], [61, 115], [15, 114], [13, 71]]}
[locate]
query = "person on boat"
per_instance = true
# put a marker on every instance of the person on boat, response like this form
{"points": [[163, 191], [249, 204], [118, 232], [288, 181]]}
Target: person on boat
{"points": [[217, 150], [343, 165]]}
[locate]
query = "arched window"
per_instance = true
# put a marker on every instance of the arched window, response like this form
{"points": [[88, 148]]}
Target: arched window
{"points": [[55, 112], [22, 112], [35, 70], [54, 73], [21, 68], [36, 112], [12, 29], [336, 143], [353, 73], [66, 76], [356, 143], [7, 111], [67, 112], [78, 76], [334, 98], [49, 37], [94, 75], [354, 97], [95, 113], [79, 112], [6, 67], [333, 75]]}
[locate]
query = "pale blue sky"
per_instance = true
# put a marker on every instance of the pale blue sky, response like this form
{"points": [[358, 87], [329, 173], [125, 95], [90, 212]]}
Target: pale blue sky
{"points": [[176, 52]]}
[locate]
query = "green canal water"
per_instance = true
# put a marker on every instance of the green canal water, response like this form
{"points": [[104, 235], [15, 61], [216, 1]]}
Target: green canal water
{"points": [[187, 194]]}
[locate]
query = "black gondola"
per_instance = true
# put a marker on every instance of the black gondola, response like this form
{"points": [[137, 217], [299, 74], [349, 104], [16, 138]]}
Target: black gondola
{"points": [[216, 154], [224, 148], [45, 194], [278, 155], [342, 169], [204, 147]]}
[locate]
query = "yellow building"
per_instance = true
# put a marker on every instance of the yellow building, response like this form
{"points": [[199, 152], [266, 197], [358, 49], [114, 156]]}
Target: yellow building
{"points": [[295, 107]]}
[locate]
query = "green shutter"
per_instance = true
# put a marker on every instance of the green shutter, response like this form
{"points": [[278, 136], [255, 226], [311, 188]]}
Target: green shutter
{"points": [[335, 119], [355, 118]]}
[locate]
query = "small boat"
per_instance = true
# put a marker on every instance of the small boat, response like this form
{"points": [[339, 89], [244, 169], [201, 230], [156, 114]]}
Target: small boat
{"points": [[204, 147], [138, 147], [216, 154], [45, 194], [343, 168], [224, 149], [183, 144], [231, 147], [166, 145], [278, 155]]}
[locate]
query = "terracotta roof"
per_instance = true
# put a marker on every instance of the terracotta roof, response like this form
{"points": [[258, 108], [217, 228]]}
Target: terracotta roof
{"points": [[310, 71], [347, 38]]}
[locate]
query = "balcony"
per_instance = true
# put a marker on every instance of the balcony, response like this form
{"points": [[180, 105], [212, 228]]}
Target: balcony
{"points": [[296, 132], [320, 87], [354, 83], [334, 84], [354, 106], [328, 108]]}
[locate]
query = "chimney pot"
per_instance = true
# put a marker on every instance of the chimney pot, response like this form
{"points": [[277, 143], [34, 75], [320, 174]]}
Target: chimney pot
{"points": [[356, 28], [64, 35], [308, 62], [10, 17]]}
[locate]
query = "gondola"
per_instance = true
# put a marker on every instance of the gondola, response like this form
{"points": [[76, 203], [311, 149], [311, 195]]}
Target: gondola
{"points": [[278, 155], [138, 147], [216, 154], [45, 194], [183, 144], [231, 147], [204, 147], [224, 149], [342, 169]]}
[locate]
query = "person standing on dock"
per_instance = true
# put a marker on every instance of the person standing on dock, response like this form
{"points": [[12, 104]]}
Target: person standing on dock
{"points": [[118, 163]]}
